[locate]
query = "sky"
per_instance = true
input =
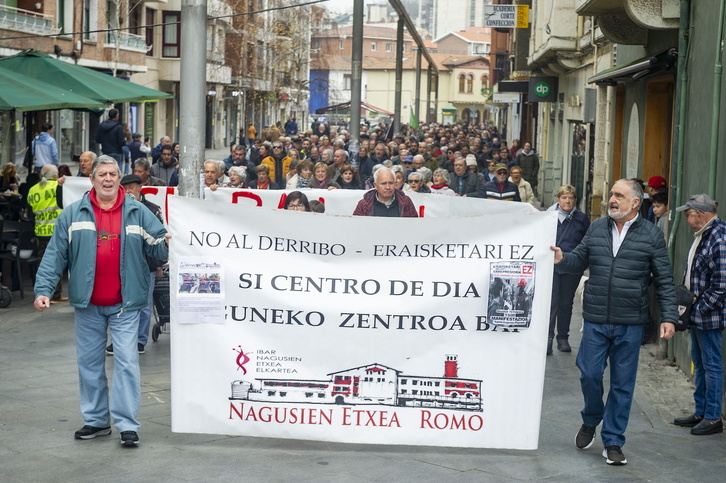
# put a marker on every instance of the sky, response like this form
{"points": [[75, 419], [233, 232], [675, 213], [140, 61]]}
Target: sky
{"points": [[339, 6]]}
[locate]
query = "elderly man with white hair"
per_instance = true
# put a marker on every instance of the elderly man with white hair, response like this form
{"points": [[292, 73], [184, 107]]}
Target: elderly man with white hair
{"points": [[384, 199]]}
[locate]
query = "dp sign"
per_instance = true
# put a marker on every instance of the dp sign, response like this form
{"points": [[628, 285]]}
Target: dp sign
{"points": [[543, 89]]}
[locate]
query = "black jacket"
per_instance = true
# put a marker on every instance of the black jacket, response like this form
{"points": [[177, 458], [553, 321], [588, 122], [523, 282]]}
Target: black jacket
{"points": [[617, 290], [110, 135]]}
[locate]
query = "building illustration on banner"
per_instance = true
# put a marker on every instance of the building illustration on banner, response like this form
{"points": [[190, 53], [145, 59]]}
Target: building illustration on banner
{"points": [[371, 384]]}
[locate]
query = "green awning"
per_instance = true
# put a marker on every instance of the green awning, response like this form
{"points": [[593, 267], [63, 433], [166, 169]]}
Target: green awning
{"points": [[21, 93], [79, 80]]}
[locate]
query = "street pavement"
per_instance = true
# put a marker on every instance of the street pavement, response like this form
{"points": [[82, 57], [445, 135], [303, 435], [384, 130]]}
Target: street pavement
{"points": [[39, 413]]}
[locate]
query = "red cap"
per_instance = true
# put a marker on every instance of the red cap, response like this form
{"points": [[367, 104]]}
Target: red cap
{"points": [[657, 182]]}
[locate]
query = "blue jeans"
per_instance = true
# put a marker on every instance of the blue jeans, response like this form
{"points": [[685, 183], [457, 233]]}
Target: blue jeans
{"points": [[621, 345], [91, 326], [145, 313], [708, 376]]}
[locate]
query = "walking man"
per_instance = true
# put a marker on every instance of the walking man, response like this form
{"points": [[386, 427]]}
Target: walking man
{"points": [[623, 252], [110, 135], [44, 148], [706, 279], [103, 240]]}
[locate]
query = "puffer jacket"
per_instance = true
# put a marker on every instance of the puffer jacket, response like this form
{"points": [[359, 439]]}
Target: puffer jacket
{"points": [[74, 243], [617, 290]]}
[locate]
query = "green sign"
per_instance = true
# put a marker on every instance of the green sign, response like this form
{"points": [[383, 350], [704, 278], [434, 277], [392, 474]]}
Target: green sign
{"points": [[486, 92], [541, 89]]}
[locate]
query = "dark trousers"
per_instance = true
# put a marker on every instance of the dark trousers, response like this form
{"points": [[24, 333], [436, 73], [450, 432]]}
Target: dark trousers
{"points": [[564, 286]]}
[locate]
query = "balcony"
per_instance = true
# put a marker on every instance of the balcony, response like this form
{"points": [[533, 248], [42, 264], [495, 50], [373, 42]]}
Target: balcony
{"points": [[127, 41], [553, 36], [628, 21], [12, 18]]}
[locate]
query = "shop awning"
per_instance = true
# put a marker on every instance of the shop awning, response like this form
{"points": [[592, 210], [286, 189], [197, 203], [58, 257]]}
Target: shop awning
{"points": [[637, 69], [79, 80], [21, 93], [364, 106]]}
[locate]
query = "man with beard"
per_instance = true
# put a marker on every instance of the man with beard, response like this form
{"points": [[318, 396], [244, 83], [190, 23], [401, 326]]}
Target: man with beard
{"points": [[623, 252], [166, 166]]}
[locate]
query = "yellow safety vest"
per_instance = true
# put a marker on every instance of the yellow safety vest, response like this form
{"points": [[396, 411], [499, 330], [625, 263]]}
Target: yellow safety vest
{"points": [[45, 207]]}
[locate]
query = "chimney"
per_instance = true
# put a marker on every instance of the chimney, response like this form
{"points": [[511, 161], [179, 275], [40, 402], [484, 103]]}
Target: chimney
{"points": [[451, 368]]}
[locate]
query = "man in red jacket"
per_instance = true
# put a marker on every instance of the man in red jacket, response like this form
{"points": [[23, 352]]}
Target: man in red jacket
{"points": [[385, 199]]}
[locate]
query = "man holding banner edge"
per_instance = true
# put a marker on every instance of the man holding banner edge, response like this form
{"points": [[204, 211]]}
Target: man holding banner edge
{"points": [[622, 251]]}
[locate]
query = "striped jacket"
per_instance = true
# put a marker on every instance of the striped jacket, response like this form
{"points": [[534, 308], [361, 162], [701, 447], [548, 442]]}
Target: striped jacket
{"points": [[491, 191], [708, 278]]}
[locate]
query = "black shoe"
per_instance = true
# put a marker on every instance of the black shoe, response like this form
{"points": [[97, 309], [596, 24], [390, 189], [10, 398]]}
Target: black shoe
{"points": [[707, 426], [109, 350], [90, 432], [585, 437], [549, 347], [129, 438], [141, 346], [614, 456], [563, 345], [688, 421]]}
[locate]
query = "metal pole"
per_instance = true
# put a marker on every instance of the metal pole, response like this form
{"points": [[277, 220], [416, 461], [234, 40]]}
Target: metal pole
{"points": [[436, 99], [428, 94], [399, 77], [192, 115], [356, 81], [417, 106]]}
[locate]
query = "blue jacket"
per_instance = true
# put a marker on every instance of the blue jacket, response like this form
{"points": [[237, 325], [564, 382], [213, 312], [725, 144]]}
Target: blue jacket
{"points": [[45, 150], [617, 290], [708, 278], [74, 243]]}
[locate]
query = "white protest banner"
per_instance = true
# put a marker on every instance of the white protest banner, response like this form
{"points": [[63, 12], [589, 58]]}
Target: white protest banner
{"points": [[428, 331], [337, 202]]}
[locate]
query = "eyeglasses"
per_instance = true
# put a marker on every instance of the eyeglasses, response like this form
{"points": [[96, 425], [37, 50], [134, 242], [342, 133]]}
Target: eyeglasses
{"points": [[414, 181], [296, 206], [276, 147], [501, 171]]}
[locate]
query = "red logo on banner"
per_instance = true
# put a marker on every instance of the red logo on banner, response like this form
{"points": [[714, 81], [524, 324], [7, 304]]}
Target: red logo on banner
{"points": [[242, 359]]}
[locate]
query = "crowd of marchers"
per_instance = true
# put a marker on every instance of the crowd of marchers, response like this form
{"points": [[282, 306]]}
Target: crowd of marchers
{"points": [[457, 160]]}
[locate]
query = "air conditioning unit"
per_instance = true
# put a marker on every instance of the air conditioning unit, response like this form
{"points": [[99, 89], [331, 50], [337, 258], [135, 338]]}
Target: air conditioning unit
{"points": [[575, 101]]}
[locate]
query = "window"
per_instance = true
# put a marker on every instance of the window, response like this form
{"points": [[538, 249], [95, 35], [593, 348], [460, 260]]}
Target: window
{"points": [[64, 16], [150, 14], [485, 81], [341, 44], [346, 82], [389, 46], [470, 83], [404, 48], [462, 82], [89, 18], [374, 46], [315, 44], [171, 39]]}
